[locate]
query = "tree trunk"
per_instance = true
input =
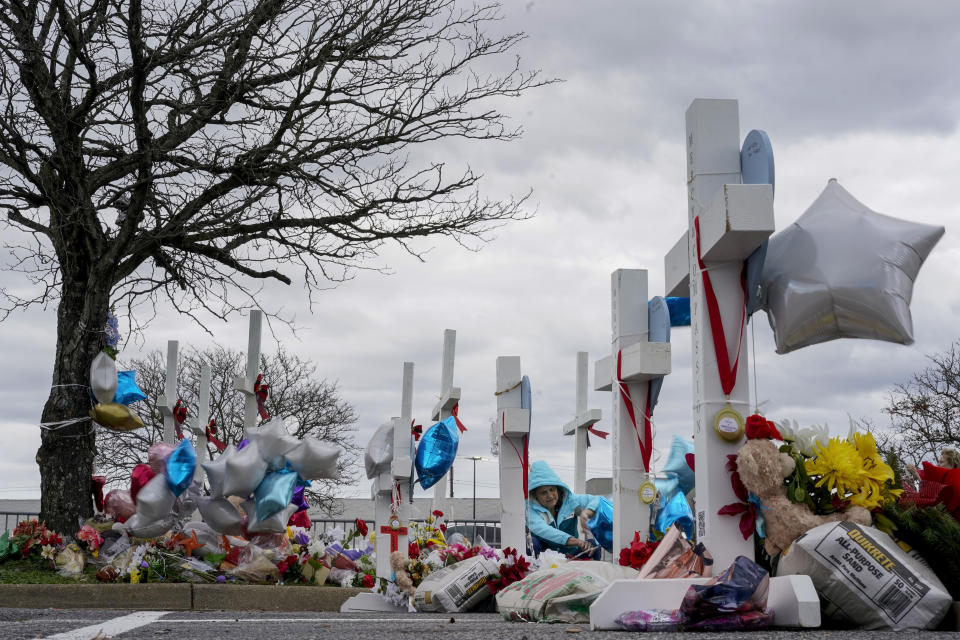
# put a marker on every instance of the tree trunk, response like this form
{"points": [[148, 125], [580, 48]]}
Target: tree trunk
{"points": [[67, 451]]}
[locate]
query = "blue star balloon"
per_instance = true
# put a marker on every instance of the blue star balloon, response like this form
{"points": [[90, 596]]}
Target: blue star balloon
{"points": [[180, 467], [437, 451], [275, 492]]}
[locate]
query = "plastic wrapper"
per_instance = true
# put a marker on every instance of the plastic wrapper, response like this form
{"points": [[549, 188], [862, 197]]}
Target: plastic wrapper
{"points": [[103, 378], [601, 524], [437, 451], [157, 455], [155, 500], [457, 587], [245, 470], [379, 452], [119, 505], [677, 557], [650, 620], [314, 459], [127, 390], [255, 566], [742, 587], [733, 622], [181, 465], [206, 536], [864, 579]]}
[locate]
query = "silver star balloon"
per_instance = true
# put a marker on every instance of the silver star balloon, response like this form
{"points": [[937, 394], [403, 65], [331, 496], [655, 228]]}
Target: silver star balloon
{"points": [[217, 471], [843, 270], [245, 471], [314, 459]]}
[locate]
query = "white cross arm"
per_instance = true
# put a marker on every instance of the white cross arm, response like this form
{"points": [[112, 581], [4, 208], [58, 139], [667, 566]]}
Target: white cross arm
{"points": [[514, 421], [676, 269], [165, 407], [582, 421], [446, 403], [639, 362], [382, 483]]}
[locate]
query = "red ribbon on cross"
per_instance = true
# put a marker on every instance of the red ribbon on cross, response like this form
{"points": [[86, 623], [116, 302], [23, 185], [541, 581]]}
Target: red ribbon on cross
{"points": [[453, 412], [179, 417], [646, 450], [416, 430], [524, 457], [211, 431], [260, 390], [600, 434], [728, 372]]}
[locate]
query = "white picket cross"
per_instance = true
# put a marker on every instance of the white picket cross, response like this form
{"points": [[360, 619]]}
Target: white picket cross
{"points": [[393, 485], [734, 219], [583, 419], [513, 422], [203, 419], [449, 397], [168, 400], [246, 383]]}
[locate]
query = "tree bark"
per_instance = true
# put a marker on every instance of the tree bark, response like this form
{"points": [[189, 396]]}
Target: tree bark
{"points": [[67, 451]]}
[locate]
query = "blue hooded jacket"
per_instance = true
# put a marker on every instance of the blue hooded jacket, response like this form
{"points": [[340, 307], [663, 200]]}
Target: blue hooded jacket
{"points": [[539, 519]]}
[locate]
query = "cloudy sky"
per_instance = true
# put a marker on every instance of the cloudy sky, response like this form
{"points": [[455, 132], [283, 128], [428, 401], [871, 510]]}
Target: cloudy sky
{"points": [[865, 92]]}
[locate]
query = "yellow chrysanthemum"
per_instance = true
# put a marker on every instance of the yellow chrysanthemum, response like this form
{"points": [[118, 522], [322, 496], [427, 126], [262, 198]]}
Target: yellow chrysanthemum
{"points": [[838, 465]]}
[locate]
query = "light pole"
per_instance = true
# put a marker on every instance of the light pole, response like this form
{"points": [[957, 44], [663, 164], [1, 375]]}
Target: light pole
{"points": [[475, 459]]}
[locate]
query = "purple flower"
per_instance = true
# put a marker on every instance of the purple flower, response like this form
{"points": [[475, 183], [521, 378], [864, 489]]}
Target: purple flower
{"points": [[143, 564], [221, 578], [302, 538], [112, 330]]}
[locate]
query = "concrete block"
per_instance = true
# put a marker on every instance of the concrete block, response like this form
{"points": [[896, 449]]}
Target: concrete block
{"points": [[172, 597], [214, 597]]}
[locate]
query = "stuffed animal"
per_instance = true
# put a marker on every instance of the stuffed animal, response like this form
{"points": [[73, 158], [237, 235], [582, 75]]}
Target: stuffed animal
{"points": [[762, 469]]}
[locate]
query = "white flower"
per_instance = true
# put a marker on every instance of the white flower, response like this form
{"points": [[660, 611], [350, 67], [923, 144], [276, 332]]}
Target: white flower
{"points": [[316, 548], [49, 552], [550, 559], [803, 440], [336, 534]]}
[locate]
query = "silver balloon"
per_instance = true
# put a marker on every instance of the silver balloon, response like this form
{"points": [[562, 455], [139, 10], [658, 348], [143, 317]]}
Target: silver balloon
{"points": [[155, 500], [140, 527], [379, 452], [843, 270], [314, 459], [277, 523], [274, 441], [245, 471], [217, 471], [222, 516]]}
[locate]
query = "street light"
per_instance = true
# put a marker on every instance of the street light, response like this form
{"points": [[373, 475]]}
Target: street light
{"points": [[475, 459]]}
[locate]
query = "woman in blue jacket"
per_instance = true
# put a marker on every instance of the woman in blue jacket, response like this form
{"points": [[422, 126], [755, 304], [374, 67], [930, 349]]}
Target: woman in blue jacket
{"points": [[553, 510]]}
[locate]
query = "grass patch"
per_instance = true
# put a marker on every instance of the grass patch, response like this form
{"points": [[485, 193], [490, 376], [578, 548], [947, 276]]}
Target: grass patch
{"points": [[26, 571]]}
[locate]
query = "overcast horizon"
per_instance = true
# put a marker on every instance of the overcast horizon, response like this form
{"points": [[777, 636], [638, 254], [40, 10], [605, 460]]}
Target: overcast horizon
{"points": [[858, 91]]}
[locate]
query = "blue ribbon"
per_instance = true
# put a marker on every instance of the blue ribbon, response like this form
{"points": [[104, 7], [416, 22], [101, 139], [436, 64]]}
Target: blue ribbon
{"points": [[760, 522]]}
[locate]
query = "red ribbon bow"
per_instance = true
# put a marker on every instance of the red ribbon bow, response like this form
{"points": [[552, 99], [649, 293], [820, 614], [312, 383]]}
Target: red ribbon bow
{"points": [[748, 520], [453, 412], [416, 430], [179, 417], [212, 438], [260, 390], [600, 434]]}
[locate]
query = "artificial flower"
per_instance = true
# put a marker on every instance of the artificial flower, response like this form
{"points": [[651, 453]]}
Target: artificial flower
{"points": [[759, 427], [368, 581], [49, 552], [838, 465], [361, 527], [803, 440], [637, 553]]}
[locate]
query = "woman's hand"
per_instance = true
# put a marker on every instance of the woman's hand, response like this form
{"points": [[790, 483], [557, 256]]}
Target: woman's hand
{"points": [[585, 515], [583, 545]]}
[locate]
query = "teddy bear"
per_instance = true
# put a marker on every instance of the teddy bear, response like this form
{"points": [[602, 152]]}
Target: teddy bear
{"points": [[762, 468]]}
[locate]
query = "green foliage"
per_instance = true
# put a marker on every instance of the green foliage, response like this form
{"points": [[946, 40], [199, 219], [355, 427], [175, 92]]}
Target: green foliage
{"points": [[31, 571], [935, 535]]}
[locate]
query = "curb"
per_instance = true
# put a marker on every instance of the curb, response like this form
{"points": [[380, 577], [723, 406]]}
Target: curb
{"points": [[175, 597]]}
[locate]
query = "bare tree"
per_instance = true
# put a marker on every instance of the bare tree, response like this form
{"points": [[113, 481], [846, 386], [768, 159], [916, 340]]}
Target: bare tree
{"points": [[295, 391], [192, 151], [925, 412]]}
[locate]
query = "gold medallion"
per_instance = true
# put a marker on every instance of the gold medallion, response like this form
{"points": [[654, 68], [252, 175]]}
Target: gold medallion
{"points": [[728, 424], [394, 522], [647, 492]]}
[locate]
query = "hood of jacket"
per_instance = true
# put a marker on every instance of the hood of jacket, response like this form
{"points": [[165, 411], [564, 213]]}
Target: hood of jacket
{"points": [[541, 474]]}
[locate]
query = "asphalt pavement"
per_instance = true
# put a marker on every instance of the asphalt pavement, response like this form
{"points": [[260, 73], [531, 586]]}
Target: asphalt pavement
{"points": [[84, 624]]}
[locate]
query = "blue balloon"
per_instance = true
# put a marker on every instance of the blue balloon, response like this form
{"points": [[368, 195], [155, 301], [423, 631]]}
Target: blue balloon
{"points": [[274, 493], [676, 510], [127, 390], [180, 467], [679, 311], [601, 524], [677, 463], [437, 451]]}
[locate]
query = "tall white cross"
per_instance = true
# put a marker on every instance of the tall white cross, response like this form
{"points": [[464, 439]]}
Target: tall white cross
{"points": [[169, 398], [449, 397], [246, 383], [513, 425], [203, 419], [583, 419], [391, 505], [640, 361], [734, 219]]}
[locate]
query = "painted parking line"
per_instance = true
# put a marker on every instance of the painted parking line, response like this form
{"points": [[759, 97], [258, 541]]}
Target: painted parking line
{"points": [[110, 628]]}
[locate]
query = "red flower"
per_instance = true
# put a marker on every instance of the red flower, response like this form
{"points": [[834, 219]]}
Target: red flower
{"points": [[637, 552], [759, 427], [368, 581], [438, 513], [443, 528], [282, 566], [361, 527], [413, 550]]}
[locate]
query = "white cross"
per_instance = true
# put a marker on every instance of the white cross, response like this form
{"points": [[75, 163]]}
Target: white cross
{"points": [[246, 383], [734, 220], [583, 419], [513, 424], [168, 400], [449, 397], [203, 419], [385, 485]]}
